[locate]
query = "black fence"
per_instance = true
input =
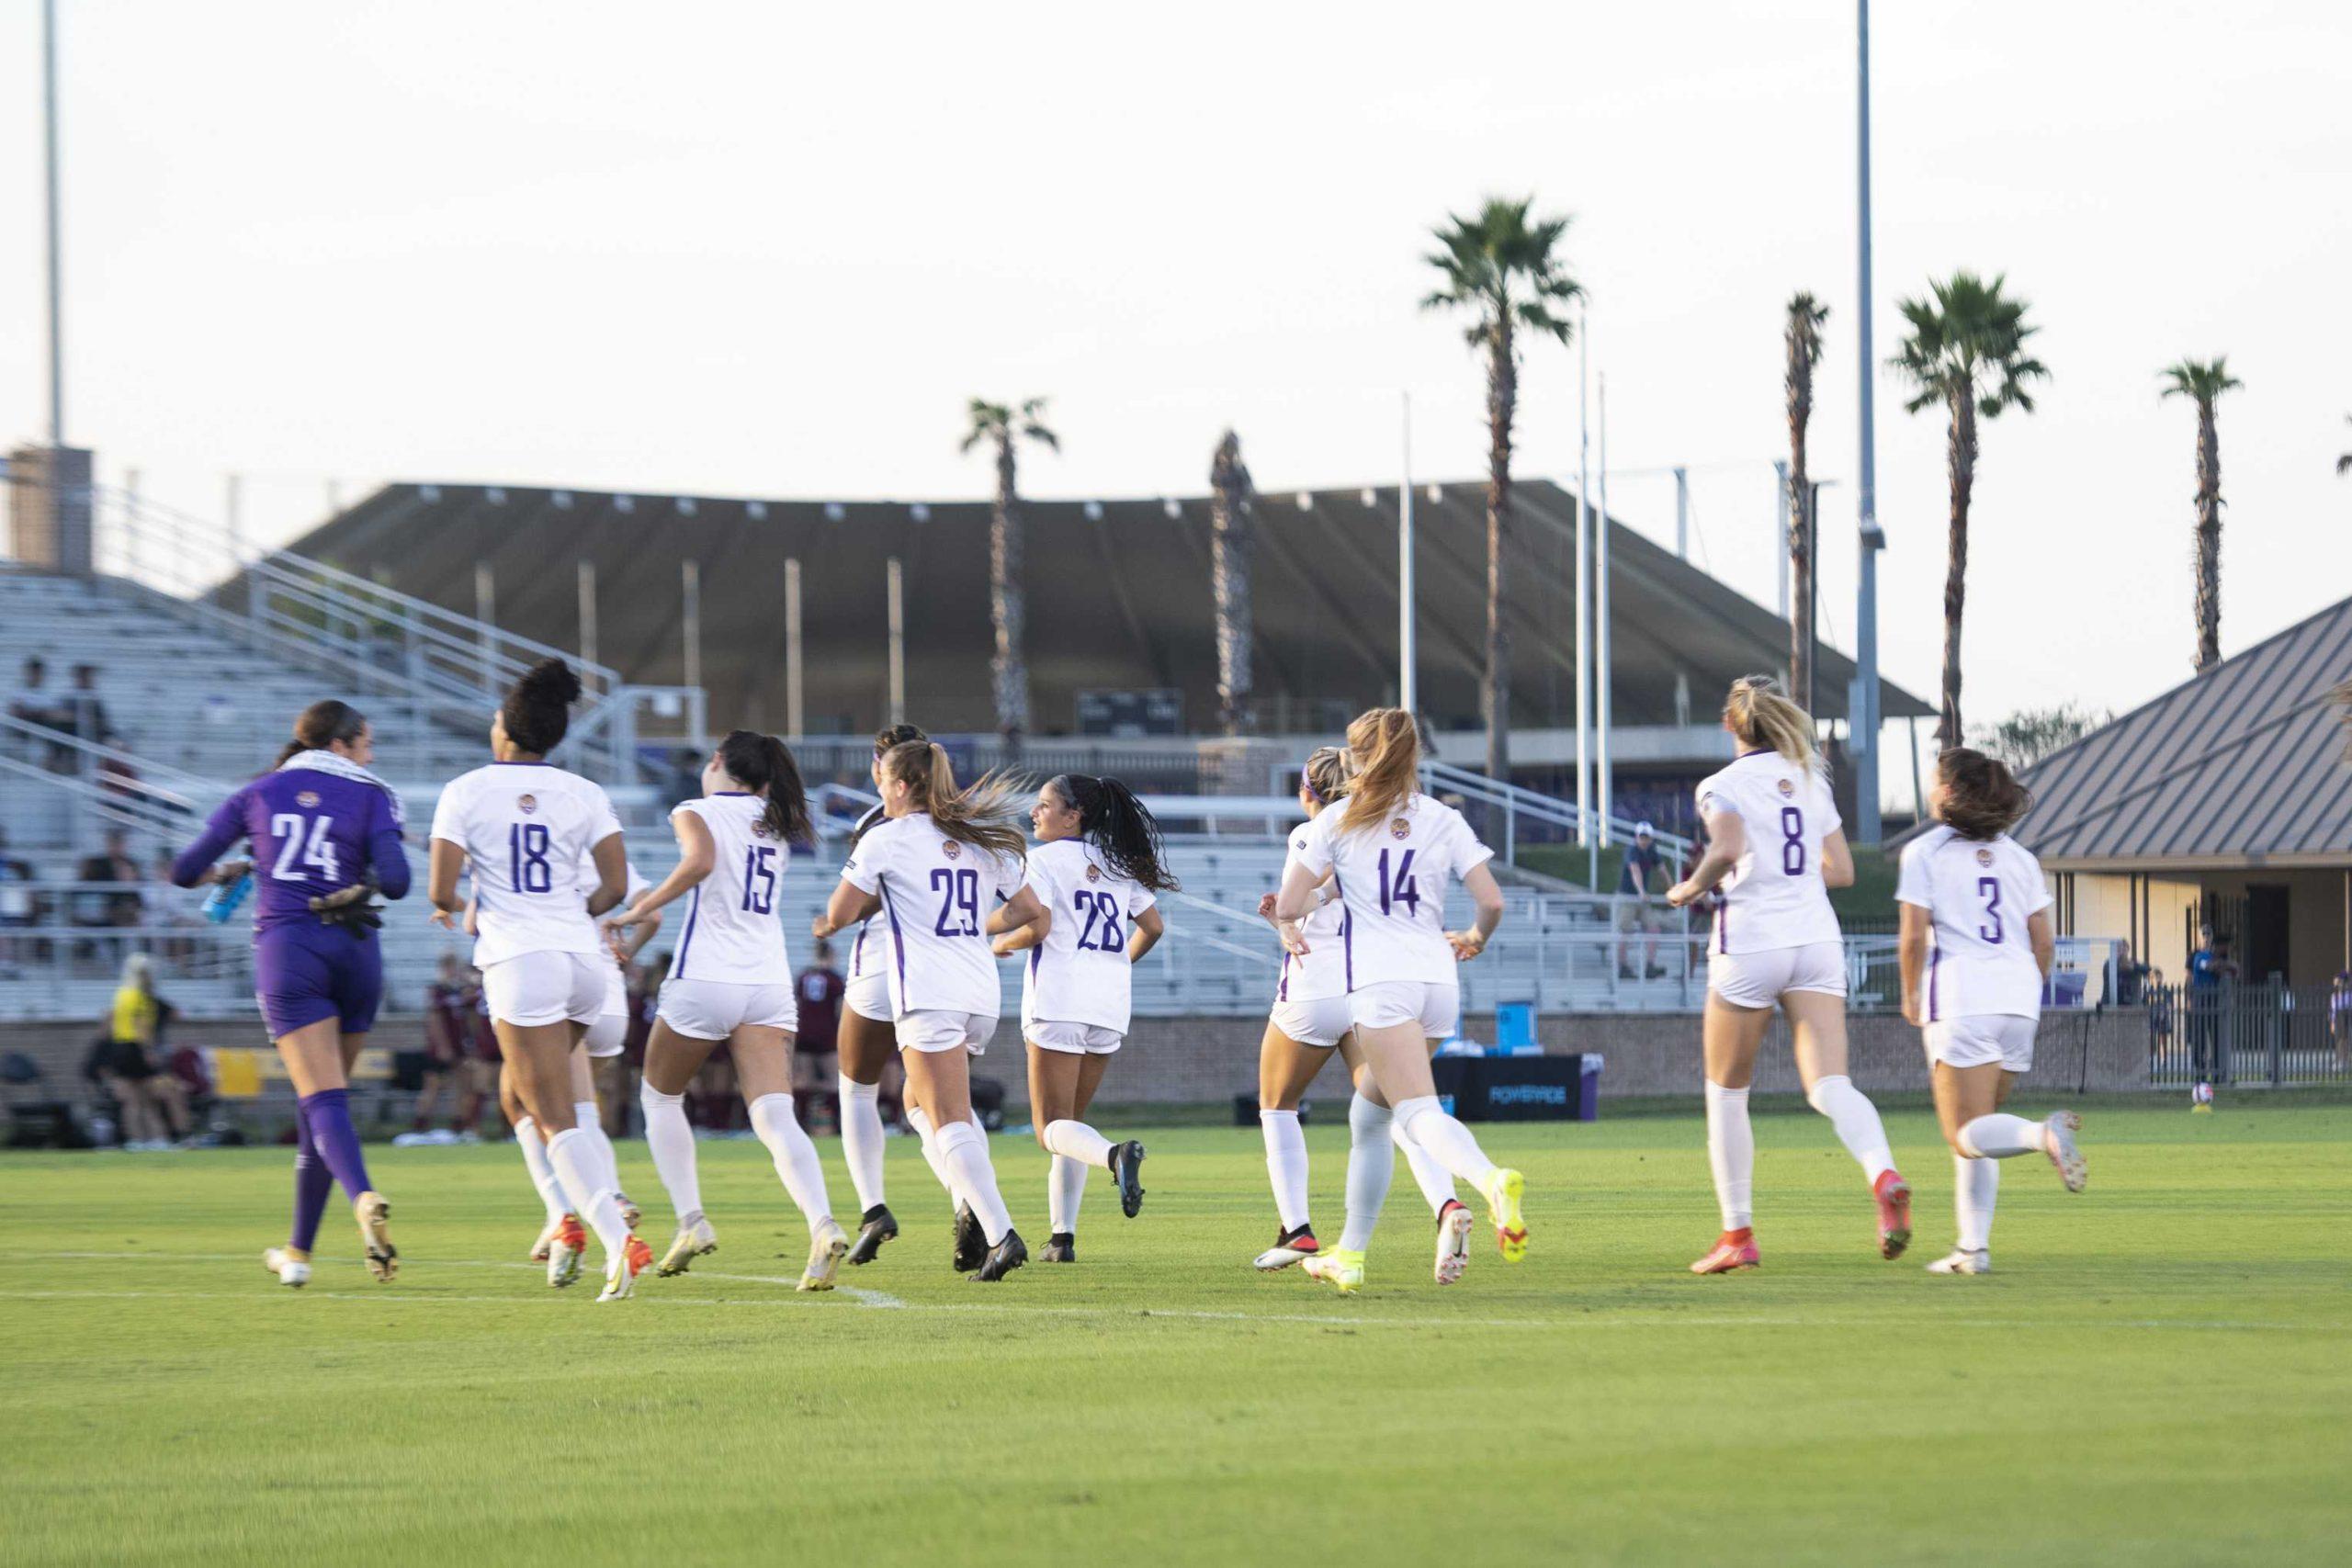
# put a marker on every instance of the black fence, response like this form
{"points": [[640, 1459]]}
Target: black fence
{"points": [[2263, 1034]]}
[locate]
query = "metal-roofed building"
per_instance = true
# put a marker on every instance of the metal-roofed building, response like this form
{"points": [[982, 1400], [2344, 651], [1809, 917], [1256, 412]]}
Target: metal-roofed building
{"points": [[2227, 800]]}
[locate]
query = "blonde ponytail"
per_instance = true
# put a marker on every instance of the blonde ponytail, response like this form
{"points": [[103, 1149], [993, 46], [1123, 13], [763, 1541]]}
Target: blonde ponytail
{"points": [[987, 815], [1386, 747], [1763, 718]]}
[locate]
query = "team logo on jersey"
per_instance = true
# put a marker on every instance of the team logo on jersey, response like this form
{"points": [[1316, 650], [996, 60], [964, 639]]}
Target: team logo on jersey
{"points": [[1787, 788], [951, 848], [527, 804], [1983, 857], [1094, 873], [307, 798], [1400, 829], [760, 831]]}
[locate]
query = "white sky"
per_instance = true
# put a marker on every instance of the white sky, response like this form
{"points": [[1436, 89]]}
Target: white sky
{"points": [[770, 250]]}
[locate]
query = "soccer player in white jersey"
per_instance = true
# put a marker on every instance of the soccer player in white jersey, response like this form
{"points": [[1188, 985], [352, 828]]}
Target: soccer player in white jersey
{"points": [[562, 1241], [1309, 1021], [527, 830], [1392, 852], [868, 1043], [1975, 949], [934, 870], [730, 979], [1776, 845], [1086, 915]]}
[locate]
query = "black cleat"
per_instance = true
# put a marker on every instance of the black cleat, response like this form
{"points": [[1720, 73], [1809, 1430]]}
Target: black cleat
{"points": [[971, 1242], [1003, 1259], [1126, 1169], [878, 1226], [1061, 1248]]}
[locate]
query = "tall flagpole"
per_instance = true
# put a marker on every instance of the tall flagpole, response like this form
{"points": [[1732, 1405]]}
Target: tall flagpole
{"points": [[1409, 695], [1584, 612], [1605, 792], [56, 270], [1862, 718]]}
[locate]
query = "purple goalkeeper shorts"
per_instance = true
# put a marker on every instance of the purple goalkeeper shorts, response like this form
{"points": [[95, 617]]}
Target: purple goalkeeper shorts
{"points": [[306, 972]]}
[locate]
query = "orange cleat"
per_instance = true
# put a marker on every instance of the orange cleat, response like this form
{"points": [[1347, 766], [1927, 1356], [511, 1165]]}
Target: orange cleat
{"points": [[1734, 1250], [638, 1256], [1893, 1195]]}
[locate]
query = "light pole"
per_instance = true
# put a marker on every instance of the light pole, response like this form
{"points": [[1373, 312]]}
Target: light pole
{"points": [[56, 278], [1862, 720]]}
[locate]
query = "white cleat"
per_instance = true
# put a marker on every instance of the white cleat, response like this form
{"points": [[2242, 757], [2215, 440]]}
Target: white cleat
{"points": [[290, 1269], [565, 1252], [1961, 1262], [2059, 1141], [693, 1241], [546, 1244], [1454, 1243], [825, 1250], [620, 1279]]}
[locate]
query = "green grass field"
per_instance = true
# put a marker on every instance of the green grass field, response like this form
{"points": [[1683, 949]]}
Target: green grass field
{"points": [[2160, 1372]]}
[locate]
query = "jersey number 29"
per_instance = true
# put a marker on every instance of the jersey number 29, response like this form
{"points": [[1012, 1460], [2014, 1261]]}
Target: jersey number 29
{"points": [[959, 893]]}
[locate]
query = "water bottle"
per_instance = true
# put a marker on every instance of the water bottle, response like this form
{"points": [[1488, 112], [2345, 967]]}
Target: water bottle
{"points": [[222, 901]]}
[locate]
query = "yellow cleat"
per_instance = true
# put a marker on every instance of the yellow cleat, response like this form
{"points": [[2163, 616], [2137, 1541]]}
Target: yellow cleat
{"points": [[1503, 1191], [693, 1241], [373, 1213], [1342, 1270], [825, 1250]]}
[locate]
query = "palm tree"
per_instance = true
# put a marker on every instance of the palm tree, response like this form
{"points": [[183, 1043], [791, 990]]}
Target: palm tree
{"points": [[1231, 523], [2203, 382], [1500, 265], [1803, 334], [1001, 426], [1965, 351]]}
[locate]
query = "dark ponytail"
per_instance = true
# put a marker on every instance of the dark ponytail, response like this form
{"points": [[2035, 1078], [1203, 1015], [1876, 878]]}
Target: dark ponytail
{"points": [[761, 764], [319, 726], [891, 735], [1982, 798], [538, 709], [1119, 827]]}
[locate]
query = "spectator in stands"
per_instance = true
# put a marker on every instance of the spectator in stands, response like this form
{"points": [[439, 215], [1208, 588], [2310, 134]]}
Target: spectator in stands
{"points": [[94, 906], [1639, 886], [84, 712], [20, 904], [35, 704], [815, 1065], [154, 1106], [447, 1038], [2131, 978]]}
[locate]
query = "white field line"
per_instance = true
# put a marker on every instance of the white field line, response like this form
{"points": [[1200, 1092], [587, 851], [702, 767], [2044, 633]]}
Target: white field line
{"points": [[1631, 1318]]}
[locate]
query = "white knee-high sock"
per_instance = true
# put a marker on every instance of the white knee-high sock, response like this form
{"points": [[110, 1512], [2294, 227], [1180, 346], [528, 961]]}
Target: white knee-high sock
{"points": [[1855, 1119], [1065, 1189], [575, 1162], [1999, 1136], [795, 1156], [585, 1117], [535, 1158], [1976, 1188], [1731, 1155], [1372, 1165], [671, 1141], [1435, 1181], [928, 1137], [1285, 1164], [1076, 1140], [964, 1151], [1422, 1120], [862, 1138]]}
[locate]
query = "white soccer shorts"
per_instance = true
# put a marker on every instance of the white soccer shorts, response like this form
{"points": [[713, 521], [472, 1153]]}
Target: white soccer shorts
{"points": [[532, 989], [1385, 1004], [1077, 1039], [1980, 1039], [932, 1030], [713, 1010], [606, 1036], [869, 997], [1321, 1022], [1758, 979]]}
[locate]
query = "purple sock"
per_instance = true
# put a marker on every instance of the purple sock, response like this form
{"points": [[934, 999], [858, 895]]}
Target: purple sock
{"points": [[329, 1115], [312, 1182]]}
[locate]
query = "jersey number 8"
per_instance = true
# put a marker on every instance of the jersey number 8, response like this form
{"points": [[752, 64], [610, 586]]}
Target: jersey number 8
{"points": [[1791, 841]]}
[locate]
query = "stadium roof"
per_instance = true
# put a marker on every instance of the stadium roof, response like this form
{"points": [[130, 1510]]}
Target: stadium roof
{"points": [[1119, 598], [2244, 765]]}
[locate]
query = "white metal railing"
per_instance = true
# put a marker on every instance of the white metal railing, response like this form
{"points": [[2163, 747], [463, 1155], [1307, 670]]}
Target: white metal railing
{"points": [[107, 787], [1514, 803]]}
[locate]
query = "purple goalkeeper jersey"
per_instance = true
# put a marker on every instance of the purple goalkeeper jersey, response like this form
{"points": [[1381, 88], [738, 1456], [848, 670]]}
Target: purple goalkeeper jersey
{"points": [[314, 832]]}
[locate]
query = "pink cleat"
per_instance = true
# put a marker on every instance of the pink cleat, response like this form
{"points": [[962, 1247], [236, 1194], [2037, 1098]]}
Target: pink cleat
{"points": [[1893, 1195], [1734, 1250]]}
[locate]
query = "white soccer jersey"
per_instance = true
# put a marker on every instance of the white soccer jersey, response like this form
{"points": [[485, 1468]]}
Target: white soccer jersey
{"points": [[527, 830], [1773, 896], [1323, 972], [1978, 894], [869, 952], [1393, 877], [936, 893], [1080, 974], [731, 932]]}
